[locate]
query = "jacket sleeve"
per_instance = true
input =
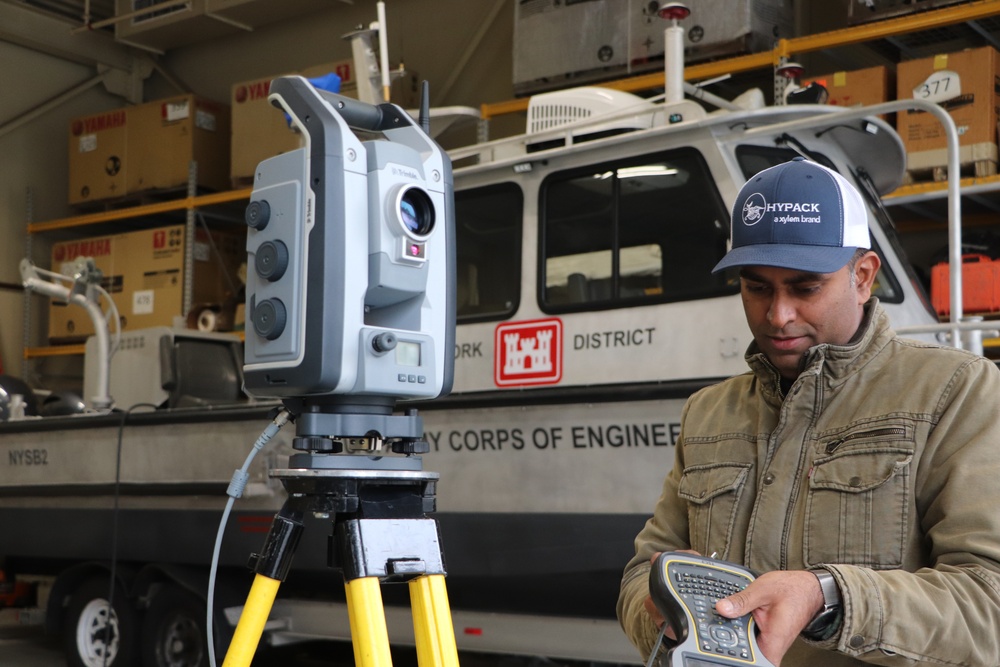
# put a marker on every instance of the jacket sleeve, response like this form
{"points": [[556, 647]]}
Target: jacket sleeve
{"points": [[666, 530], [948, 613]]}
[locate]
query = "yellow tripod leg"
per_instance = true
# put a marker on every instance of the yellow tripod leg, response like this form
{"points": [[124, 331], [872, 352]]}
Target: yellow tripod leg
{"points": [[368, 629], [432, 626], [252, 620]]}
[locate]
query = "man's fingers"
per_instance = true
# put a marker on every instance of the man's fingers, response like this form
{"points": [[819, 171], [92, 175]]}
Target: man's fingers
{"points": [[735, 605], [658, 619]]}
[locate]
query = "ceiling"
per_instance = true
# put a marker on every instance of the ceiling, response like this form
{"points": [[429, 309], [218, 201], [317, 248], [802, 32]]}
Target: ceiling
{"points": [[155, 26], [122, 47], [75, 10]]}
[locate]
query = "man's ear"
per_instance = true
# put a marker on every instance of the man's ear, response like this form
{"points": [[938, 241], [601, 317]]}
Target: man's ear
{"points": [[864, 275]]}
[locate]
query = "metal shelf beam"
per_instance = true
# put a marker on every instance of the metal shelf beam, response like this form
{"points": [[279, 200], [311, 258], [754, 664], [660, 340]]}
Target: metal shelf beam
{"points": [[144, 210]]}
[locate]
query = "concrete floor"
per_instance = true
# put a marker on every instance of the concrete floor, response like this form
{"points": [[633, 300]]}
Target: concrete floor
{"points": [[29, 646], [26, 645]]}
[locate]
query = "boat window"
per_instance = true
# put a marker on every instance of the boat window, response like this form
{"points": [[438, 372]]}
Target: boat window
{"points": [[488, 251], [643, 230], [753, 159]]}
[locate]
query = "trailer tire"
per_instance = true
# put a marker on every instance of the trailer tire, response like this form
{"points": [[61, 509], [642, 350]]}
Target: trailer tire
{"points": [[87, 624], [173, 630]]}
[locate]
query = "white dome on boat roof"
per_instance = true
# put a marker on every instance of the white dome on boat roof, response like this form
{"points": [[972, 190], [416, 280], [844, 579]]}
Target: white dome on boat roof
{"points": [[548, 111]]}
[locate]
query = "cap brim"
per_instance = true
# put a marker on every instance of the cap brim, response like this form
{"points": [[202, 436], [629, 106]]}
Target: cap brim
{"points": [[815, 259]]}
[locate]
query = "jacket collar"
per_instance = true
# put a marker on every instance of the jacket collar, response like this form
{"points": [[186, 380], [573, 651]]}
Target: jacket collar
{"points": [[836, 362]]}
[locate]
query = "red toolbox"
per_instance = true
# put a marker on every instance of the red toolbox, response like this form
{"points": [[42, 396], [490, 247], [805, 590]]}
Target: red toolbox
{"points": [[980, 285]]}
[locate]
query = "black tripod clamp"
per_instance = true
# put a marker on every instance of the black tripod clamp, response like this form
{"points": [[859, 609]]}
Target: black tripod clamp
{"points": [[379, 504]]}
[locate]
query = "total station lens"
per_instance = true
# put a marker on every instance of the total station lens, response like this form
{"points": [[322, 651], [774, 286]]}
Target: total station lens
{"points": [[417, 212]]}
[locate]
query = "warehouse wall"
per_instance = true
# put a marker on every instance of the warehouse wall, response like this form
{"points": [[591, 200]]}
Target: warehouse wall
{"points": [[33, 156]]}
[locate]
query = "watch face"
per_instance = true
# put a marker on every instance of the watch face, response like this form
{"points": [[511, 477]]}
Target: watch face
{"points": [[821, 623]]}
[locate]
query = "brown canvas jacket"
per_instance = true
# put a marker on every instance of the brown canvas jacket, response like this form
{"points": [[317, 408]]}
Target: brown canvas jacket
{"points": [[882, 465]]}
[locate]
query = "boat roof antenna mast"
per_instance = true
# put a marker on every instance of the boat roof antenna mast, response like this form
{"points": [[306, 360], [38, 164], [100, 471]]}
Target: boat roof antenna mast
{"points": [[673, 51]]}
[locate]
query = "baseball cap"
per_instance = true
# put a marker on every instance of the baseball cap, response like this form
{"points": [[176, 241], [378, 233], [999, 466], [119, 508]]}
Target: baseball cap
{"points": [[797, 215]]}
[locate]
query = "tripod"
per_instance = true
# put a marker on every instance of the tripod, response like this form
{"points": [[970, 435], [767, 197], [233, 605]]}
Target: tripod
{"points": [[381, 531]]}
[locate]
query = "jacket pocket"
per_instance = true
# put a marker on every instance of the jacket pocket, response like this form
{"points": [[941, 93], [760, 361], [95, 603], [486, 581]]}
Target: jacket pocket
{"points": [[712, 492], [857, 509]]}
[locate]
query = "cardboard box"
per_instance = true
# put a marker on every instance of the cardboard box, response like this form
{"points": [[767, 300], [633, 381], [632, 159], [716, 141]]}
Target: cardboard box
{"points": [[147, 147], [97, 156], [964, 83], [260, 130], [166, 135], [144, 273], [862, 87]]}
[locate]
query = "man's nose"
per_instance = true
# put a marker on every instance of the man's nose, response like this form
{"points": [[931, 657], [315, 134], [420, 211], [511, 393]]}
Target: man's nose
{"points": [[782, 310]]}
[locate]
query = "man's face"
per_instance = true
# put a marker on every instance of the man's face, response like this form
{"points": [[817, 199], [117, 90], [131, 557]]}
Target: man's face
{"points": [[790, 311]]}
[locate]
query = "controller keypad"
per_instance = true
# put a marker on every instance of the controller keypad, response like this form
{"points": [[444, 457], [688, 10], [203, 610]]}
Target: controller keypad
{"points": [[700, 590]]}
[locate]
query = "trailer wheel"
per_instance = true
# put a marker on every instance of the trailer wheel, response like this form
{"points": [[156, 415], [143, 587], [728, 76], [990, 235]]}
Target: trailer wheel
{"points": [[97, 634], [173, 631]]}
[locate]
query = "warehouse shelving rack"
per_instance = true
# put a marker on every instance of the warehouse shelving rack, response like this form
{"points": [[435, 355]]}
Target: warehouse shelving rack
{"points": [[189, 205]]}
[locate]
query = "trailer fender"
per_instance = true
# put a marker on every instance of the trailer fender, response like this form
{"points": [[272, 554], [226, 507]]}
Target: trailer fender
{"points": [[192, 579], [230, 589]]}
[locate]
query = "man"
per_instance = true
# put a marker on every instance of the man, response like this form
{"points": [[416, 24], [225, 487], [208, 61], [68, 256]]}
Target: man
{"points": [[858, 472]]}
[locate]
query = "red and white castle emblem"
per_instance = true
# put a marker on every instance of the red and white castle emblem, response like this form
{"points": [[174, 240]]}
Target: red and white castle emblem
{"points": [[528, 353]]}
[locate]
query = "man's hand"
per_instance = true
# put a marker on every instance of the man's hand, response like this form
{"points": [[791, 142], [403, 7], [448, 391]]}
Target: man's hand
{"points": [[782, 603], [657, 617]]}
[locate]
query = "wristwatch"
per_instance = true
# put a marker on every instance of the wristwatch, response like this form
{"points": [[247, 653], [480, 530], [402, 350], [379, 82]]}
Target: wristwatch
{"points": [[825, 622]]}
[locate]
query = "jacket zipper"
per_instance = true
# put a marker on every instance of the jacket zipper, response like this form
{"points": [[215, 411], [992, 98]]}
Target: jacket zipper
{"points": [[891, 430]]}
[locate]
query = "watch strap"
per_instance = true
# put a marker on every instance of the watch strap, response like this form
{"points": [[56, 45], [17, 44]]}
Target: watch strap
{"points": [[827, 621]]}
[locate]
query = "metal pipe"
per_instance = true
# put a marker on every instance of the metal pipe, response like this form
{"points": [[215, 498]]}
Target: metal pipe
{"points": [[33, 283], [52, 103], [229, 21], [972, 326], [383, 47], [187, 291], [673, 63], [713, 99], [29, 214]]}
